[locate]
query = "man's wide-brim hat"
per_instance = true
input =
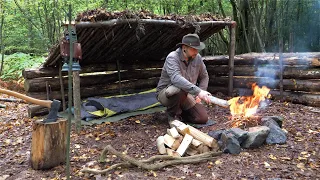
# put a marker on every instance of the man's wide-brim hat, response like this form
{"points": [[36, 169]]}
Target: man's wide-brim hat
{"points": [[192, 40]]}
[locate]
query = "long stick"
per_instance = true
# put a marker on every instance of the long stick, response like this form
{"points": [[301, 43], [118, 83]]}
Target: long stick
{"points": [[69, 96], [231, 56], [1, 39]]}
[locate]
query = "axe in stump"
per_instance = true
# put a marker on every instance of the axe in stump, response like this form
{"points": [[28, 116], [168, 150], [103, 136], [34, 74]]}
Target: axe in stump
{"points": [[54, 105]]}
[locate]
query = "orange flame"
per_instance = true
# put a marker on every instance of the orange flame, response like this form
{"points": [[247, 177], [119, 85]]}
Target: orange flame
{"points": [[246, 106]]}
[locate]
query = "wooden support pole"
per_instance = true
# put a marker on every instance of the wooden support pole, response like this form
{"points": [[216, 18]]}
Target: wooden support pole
{"points": [[281, 68], [119, 77], [62, 88], [48, 145], [231, 56], [77, 100]]}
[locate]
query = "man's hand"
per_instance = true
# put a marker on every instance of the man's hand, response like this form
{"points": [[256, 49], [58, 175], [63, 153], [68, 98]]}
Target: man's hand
{"points": [[198, 100], [204, 95]]}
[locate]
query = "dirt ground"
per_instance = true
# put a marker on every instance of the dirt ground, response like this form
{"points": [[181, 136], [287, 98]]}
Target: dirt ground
{"points": [[299, 158]]}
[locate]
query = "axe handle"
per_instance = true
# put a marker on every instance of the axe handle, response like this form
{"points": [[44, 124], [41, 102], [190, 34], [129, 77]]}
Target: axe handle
{"points": [[45, 103]]}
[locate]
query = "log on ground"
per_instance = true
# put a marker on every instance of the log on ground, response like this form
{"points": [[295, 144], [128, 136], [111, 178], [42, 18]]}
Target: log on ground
{"points": [[312, 85]]}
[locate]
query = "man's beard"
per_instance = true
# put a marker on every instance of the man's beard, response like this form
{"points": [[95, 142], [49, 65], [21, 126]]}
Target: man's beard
{"points": [[190, 58]]}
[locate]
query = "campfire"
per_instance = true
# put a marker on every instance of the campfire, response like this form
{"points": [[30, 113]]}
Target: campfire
{"points": [[243, 109], [248, 130]]}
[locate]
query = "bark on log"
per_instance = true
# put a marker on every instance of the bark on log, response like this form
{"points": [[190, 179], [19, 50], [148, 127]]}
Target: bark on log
{"points": [[274, 72], [54, 72], [48, 146], [36, 110], [309, 99], [104, 89], [39, 84], [290, 59], [312, 85], [12, 100], [298, 98]]}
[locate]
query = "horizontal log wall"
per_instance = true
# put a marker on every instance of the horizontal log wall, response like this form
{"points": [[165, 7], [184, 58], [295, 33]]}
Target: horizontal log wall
{"points": [[96, 80], [301, 75]]}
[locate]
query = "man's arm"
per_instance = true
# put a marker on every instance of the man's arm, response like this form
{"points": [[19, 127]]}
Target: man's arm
{"points": [[203, 76]]}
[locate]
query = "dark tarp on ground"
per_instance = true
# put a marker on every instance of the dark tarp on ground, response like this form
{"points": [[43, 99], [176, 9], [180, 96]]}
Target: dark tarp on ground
{"points": [[94, 108]]}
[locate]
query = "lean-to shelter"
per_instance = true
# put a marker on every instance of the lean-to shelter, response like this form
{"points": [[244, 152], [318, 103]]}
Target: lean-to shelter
{"points": [[132, 44]]}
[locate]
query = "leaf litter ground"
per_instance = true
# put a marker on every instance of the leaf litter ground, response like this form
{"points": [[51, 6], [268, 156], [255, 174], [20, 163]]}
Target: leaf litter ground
{"points": [[299, 158]]}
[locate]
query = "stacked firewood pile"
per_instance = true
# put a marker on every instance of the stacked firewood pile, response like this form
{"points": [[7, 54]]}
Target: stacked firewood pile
{"points": [[184, 140], [104, 15]]}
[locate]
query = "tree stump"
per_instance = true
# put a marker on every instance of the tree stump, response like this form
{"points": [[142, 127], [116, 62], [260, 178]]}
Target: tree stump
{"points": [[48, 146]]}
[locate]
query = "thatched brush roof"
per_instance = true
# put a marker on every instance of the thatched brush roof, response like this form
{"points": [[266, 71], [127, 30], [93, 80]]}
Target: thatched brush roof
{"points": [[108, 37]]}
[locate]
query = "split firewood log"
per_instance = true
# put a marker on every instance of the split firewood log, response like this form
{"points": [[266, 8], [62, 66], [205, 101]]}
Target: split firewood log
{"points": [[187, 139], [195, 133], [172, 142], [160, 145], [173, 132]]}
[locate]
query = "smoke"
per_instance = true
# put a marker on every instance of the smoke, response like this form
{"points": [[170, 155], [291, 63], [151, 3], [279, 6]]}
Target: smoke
{"points": [[267, 74]]}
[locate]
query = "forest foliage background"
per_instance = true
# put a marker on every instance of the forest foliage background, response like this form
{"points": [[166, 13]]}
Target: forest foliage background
{"points": [[32, 27]]}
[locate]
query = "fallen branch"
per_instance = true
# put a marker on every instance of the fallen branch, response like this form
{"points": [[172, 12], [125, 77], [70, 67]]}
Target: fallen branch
{"points": [[2, 106], [11, 100], [147, 164]]}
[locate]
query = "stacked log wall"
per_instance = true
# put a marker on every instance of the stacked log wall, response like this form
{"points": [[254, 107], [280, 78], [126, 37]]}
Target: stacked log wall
{"points": [[301, 78], [301, 75], [95, 80]]}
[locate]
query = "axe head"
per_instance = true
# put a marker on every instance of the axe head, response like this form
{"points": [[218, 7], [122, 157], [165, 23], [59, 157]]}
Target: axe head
{"points": [[53, 112]]}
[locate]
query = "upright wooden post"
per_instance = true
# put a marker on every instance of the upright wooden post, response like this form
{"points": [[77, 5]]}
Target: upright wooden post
{"points": [[231, 56], [62, 88], [281, 68], [77, 100]]}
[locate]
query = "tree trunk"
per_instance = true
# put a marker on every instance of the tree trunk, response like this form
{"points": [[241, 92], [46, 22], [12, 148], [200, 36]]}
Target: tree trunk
{"points": [[1, 39], [48, 146]]}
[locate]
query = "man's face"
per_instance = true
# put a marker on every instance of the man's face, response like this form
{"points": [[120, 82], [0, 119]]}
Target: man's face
{"points": [[191, 53]]}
